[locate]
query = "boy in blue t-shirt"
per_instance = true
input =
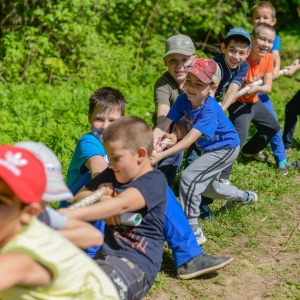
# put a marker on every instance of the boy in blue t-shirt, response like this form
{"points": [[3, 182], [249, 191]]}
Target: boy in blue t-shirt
{"points": [[234, 67], [213, 134], [89, 158]]}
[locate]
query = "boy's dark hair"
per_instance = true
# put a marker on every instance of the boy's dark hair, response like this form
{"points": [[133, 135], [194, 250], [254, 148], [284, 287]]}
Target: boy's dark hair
{"points": [[237, 38], [260, 26], [133, 132], [264, 4], [108, 99]]}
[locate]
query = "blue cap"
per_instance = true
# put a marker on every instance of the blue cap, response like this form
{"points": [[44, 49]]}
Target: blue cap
{"points": [[239, 31]]}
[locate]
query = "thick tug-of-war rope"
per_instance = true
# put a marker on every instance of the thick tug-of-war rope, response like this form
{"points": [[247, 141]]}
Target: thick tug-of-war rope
{"points": [[129, 219], [245, 90], [89, 200]]}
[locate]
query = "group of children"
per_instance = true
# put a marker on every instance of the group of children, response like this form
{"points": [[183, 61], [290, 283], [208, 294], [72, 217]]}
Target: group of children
{"points": [[119, 154]]}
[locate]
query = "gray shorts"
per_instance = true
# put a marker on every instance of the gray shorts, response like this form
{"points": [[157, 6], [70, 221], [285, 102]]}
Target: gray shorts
{"points": [[130, 281]]}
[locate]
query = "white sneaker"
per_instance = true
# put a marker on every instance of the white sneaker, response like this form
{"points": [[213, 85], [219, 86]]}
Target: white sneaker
{"points": [[201, 239]]}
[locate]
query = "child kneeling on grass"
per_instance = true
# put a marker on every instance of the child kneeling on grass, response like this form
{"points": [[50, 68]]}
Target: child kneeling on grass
{"points": [[130, 255], [213, 134], [37, 262]]}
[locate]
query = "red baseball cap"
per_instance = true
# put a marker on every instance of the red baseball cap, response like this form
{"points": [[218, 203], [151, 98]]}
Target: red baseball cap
{"points": [[23, 172], [207, 70]]}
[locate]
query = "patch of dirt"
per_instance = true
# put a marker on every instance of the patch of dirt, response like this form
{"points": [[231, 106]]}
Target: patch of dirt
{"points": [[271, 270]]}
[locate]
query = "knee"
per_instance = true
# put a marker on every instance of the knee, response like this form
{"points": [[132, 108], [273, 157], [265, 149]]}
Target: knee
{"points": [[216, 186], [276, 127]]}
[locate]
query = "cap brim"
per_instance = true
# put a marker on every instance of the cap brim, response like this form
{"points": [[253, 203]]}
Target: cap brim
{"points": [[239, 34], [57, 191], [199, 74], [184, 52]]}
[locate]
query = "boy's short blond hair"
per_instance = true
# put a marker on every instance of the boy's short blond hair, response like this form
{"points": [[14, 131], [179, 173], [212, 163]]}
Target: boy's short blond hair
{"points": [[133, 132], [259, 26], [264, 4]]}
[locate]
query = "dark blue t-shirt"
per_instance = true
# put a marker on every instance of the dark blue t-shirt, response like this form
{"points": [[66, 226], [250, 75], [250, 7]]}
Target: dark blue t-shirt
{"points": [[210, 119], [143, 245], [236, 75]]}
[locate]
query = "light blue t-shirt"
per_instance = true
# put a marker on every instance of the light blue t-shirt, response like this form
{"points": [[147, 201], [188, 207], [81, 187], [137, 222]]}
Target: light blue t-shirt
{"points": [[78, 174], [217, 130]]}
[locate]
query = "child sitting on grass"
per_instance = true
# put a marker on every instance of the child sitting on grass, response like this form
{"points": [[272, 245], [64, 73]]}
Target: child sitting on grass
{"points": [[37, 262], [131, 255], [213, 134], [105, 106]]}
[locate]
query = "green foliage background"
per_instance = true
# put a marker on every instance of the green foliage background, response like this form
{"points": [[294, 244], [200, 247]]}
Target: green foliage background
{"points": [[54, 54]]}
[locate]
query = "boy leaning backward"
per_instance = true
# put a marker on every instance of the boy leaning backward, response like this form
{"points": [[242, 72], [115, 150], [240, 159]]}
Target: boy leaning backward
{"points": [[264, 12], [213, 134], [234, 67], [131, 255], [249, 108], [37, 262]]}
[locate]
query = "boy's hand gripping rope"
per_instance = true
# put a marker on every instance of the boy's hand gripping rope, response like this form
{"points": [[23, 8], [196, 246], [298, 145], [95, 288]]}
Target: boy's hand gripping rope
{"points": [[89, 200], [245, 90], [129, 219]]}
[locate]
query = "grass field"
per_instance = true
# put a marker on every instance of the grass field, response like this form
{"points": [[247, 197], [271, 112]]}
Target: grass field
{"points": [[263, 239]]}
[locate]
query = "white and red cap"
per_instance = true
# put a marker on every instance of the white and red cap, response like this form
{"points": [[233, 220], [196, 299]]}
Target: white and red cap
{"points": [[23, 172], [207, 70], [56, 189]]}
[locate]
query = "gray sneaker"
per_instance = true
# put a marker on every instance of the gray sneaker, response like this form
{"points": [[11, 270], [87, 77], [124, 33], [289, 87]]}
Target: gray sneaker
{"points": [[260, 156], [202, 264], [251, 199]]}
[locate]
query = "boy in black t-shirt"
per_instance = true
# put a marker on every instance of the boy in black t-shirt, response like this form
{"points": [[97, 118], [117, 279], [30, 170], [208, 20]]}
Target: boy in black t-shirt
{"points": [[132, 250]]}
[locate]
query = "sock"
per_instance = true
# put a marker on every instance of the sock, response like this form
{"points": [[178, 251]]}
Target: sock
{"points": [[193, 223], [282, 163]]}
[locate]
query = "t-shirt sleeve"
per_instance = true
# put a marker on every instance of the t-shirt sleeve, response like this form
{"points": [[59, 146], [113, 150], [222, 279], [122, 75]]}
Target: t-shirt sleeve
{"points": [[88, 147], [241, 74], [53, 219], [276, 45], [269, 64], [145, 185], [161, 92], [103, 177]]}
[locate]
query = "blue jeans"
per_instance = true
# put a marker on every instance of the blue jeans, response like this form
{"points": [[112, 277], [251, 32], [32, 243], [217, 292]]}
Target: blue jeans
{"points": [[170, 166], [177, 232], [277, 140]]}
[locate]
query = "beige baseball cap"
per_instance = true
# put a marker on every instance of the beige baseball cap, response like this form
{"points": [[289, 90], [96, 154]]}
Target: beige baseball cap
{"points": [[181, 44]]}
